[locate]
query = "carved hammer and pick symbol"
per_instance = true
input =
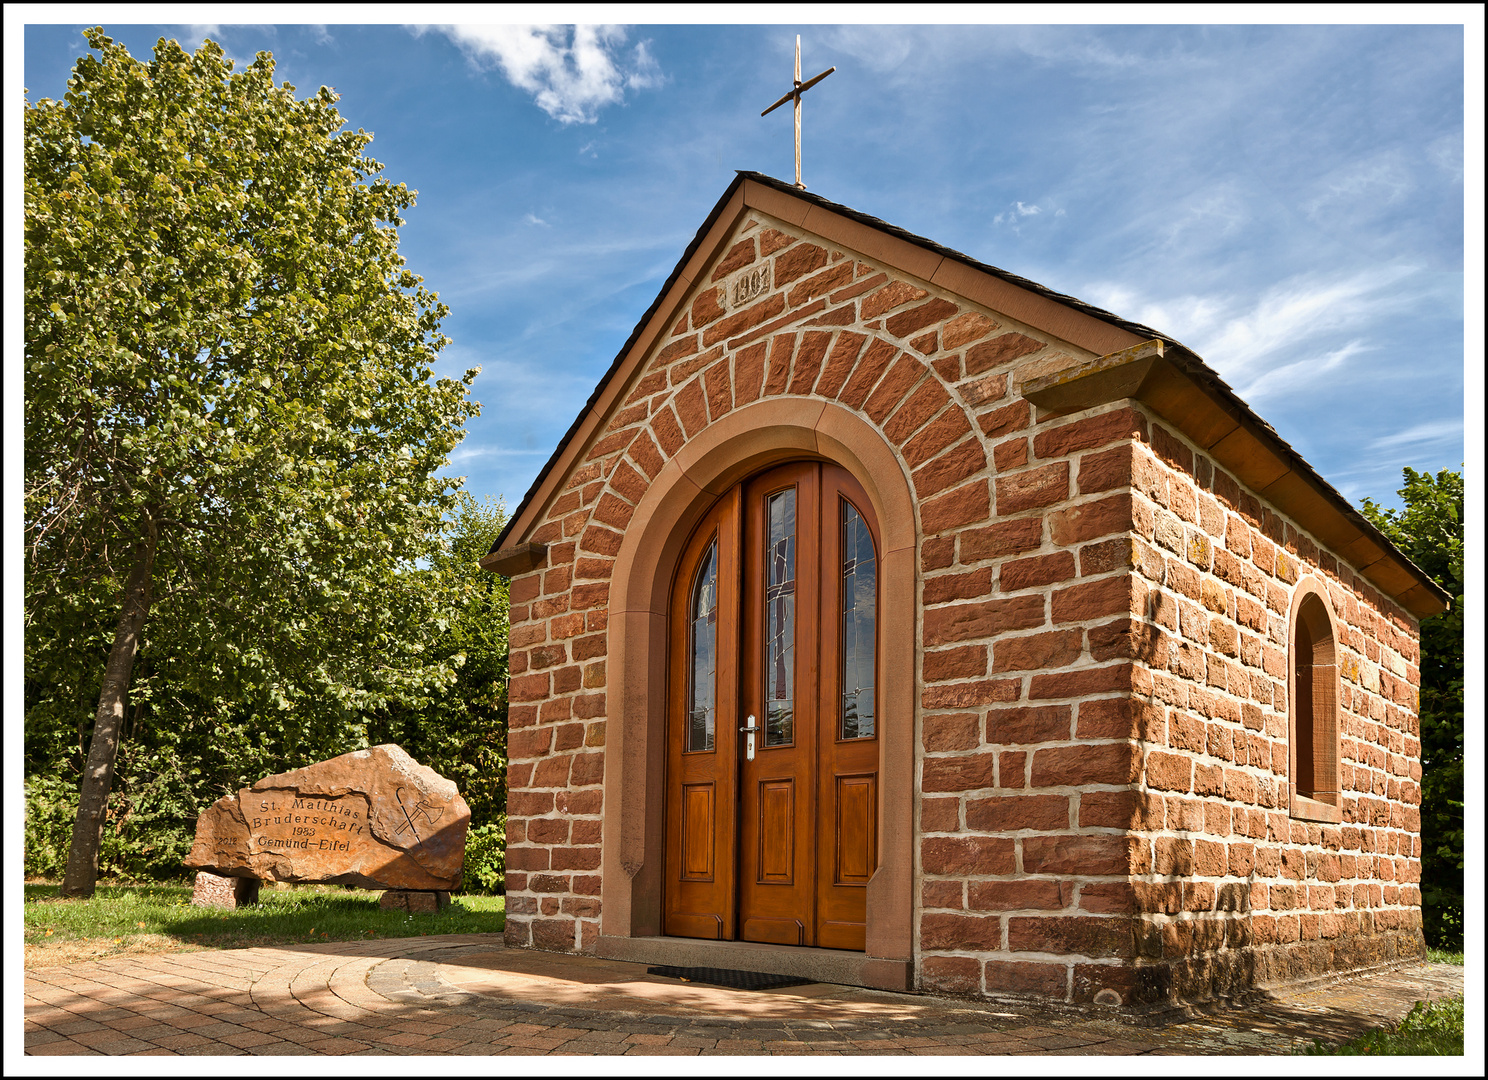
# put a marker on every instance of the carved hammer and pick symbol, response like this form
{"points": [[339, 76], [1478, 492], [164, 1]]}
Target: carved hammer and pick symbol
{"points": [[430, 812]]}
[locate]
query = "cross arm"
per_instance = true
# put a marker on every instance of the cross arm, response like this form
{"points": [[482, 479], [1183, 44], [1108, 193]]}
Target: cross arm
{"points": [[807, 85]]}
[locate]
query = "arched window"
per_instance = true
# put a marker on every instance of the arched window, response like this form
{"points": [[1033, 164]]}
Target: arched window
{"points": [[1314, 708]]}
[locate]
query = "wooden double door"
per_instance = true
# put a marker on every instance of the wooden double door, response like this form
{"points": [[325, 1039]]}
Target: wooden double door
{"points": [[772, 729]]}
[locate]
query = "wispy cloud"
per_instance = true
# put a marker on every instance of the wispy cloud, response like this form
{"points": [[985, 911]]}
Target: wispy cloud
{"points": [[1432, 431], [1251, 339], [571, 71], [533, 219]]}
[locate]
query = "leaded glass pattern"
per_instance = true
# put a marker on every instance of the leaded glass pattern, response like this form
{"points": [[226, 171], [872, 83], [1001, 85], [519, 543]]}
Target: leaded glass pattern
{"points": [[780, 618], [703, 656], [859, 617]]}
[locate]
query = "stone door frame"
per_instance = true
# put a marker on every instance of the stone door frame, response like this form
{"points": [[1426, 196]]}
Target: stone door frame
{"points": [[744, 442]]}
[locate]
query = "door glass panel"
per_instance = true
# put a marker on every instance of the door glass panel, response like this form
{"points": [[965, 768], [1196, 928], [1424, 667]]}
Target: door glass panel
{"points": [[859, 601], [703, 657], [780, 618]]}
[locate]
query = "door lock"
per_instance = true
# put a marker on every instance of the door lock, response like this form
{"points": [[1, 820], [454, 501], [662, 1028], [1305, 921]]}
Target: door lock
{"points": [[749, 730]]}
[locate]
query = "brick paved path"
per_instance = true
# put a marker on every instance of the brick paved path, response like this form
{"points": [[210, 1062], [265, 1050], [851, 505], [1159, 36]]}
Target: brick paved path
{"points": [[467, 995]]}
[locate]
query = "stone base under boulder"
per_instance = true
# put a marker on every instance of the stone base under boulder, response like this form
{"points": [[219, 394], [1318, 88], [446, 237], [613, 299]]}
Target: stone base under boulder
{"points": [[415, 901], [213, 890]]}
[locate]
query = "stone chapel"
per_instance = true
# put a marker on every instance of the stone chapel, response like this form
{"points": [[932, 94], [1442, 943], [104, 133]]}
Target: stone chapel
{"points": [[888, 619]]}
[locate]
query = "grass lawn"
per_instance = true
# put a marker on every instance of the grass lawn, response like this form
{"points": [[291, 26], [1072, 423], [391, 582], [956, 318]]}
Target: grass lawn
{"points": [[1434, 1028], [133, 919]]}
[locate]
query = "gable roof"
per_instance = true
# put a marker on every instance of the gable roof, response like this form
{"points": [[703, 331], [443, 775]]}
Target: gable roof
{"points": [[1187, 391]]}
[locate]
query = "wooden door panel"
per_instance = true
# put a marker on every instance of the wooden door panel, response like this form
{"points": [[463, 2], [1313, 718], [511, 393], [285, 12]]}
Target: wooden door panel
{"points": [[856, 826], [847, 768], [777, 831], [699, 885], [698, 825], [778, 677]]}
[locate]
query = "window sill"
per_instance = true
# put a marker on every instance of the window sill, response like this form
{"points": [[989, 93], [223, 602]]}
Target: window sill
{"points": [[1306, 809]]}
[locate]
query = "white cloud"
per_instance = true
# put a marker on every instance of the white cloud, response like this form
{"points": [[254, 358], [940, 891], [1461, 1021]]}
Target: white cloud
{"points": [[1019, 210], [533, 219], [1432, 431], [571, 71], [1249, 339]]}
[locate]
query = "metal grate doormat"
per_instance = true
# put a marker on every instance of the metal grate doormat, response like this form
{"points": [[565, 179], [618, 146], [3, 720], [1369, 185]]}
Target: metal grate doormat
{"points": [[734, 980]]}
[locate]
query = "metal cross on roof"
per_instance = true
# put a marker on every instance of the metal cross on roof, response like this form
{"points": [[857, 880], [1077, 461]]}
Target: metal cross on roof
{"points": [[795, 94]]}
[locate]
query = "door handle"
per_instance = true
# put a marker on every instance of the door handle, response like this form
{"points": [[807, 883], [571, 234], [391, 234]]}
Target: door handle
{"points": [[749, 730]]}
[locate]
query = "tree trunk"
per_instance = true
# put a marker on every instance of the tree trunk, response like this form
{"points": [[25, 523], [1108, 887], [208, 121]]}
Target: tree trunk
{"points": [[98, 773]]}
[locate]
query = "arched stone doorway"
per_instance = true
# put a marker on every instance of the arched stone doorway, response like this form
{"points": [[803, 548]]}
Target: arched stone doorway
{"points": [[746, 442]]}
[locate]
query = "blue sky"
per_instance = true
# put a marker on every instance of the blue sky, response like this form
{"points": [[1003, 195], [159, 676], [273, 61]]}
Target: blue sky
{"points": [[1288, 201]]}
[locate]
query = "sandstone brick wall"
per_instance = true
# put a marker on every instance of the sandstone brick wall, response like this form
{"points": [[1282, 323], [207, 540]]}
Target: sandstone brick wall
{"points": [[1103, 643]]}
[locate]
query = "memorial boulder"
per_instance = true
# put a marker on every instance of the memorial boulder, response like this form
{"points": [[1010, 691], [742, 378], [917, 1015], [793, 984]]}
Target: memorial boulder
{"points": [[373, 818]]}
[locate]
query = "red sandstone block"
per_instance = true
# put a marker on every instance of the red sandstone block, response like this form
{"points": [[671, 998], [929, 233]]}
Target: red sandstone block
{"points": [[1172, 855], [601, 541], [526, 858], [575, 858], [1108, 898], [1015, 895], [1086, 856], [746, 319], [579, 803], [1008, 813], [906, 372], [957, 731], [1092, 520], [927, 400], [808, 362], [547, 831], [1098, 763], [950, 468], [987, 618], [951, 974], [1036, 571], [892, 295], [951, 587], [1129, 639], [839, 363], [960, 663], [969, 694], [948, 855], [1005, 420], [983, 391], [907, 322], [833, 277], [1099, 680], [963, 932], [1037, 651], [940, 433], [1120, 595], [873, 363], [1025, 724], [1013, 977], [1169, 772], [940, 815], [1010, 454], [587, 769], [1085, 935], [706, 308], [1171, 449], [965, 505], [528, 687], [1089, 433], [964, 329], [964, 773], [1033, 488], [1001, 538], [740, 255], [1105, 470], [1003, 349], [1119, 810]]}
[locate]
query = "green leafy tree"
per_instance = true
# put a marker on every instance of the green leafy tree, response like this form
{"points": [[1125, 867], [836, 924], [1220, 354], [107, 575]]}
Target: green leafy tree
{"points": [[1430, 531], [232, 425]]}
